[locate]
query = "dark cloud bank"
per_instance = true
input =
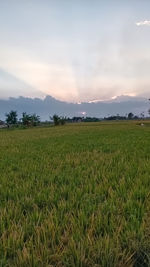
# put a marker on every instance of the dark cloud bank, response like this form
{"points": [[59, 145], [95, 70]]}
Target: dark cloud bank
{"points": [[48, 106]]}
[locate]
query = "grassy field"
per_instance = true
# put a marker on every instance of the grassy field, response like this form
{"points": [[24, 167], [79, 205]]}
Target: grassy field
{"points": [[75, 195]]}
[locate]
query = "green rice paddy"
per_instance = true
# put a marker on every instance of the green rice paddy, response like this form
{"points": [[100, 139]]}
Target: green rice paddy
{"points": [[75, 195]]}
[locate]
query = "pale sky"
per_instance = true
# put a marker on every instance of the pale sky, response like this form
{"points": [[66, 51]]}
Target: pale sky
{"points": [[74, 50]]}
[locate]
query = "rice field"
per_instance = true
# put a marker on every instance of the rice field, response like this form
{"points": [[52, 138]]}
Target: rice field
{"points": [[75, 195]]}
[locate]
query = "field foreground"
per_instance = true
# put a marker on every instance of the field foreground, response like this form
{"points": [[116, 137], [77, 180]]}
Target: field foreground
{"points": [[75, 195]]}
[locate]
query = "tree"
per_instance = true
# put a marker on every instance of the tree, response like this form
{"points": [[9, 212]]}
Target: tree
{"points": [[130, 116], [11, 117], [142, 115], [28, 119], [35, 119], [56, 119], [62, 120]]}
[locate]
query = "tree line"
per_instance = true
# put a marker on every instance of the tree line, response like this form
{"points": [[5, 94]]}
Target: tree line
{"points": [[29, 119], [34, 119], [26, 119]]}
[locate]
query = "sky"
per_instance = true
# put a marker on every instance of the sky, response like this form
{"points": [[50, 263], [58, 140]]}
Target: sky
{"points": [[74, 50]]}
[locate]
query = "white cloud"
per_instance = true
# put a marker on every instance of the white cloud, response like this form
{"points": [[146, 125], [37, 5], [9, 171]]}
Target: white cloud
{"points": [[56, 79], [144, 22]]}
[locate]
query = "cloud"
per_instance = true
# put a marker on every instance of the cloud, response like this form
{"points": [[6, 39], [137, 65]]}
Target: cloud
{"points": [[144, 22]]}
